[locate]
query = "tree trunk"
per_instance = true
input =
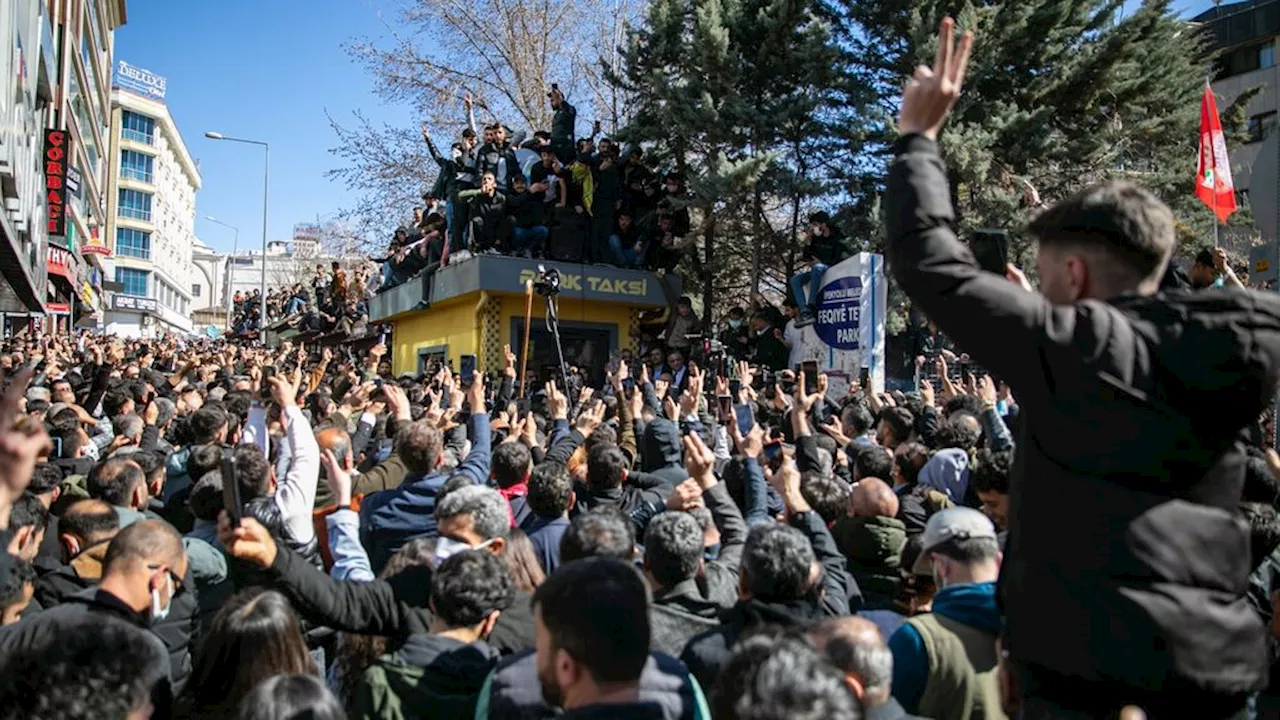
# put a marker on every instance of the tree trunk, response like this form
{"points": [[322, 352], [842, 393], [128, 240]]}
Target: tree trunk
{"points": [[757, 233], [708, 274]]}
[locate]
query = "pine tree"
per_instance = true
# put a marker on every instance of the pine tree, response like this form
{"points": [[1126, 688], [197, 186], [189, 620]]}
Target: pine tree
{"points": [[748, 100], [1059, 94]]}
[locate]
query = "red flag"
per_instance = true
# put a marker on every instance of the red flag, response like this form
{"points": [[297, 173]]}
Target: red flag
{"points": [[1213, 173]]}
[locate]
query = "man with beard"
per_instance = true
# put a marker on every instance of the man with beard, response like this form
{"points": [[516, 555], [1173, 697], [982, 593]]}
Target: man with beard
{"points": [[592, 623]]}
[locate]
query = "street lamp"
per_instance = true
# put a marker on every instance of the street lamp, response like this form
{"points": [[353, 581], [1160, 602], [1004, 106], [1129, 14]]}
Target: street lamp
{"points": [[266, 183], [231, 266]]}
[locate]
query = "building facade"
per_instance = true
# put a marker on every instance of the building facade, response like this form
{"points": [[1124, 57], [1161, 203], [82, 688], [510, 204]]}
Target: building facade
{"points": [[55, 59], [208, 286], [1244, 34], [151, 209]]}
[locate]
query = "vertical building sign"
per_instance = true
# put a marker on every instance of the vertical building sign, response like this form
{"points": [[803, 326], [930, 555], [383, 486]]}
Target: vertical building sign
{"points": [[57, 153]]}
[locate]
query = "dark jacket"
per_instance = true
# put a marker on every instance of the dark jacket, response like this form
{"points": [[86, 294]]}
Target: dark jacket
{"points": [[92, 605], [391, 518], [58, 584], [830, 250], [771, 352], [513, 691], [562, 122], [873, 546], [680, 614], [545, 535], [1133, 411], [693, 607], [707, 653], [395, 607], [662, 453], [525, 209], [428, 677]]}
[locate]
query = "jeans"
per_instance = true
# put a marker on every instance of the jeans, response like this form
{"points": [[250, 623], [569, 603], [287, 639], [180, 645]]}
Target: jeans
{"points": [[295, 305], [812, 276], [530, 238], [627, 256]]}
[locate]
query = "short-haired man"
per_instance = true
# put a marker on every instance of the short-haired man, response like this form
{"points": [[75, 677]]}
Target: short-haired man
{"points": [[440, 674], [1113, 381], [121, 482], [512, 465], [84, 530], [690, 592], [856, 647], [945, 660], [777, 676], [549, 501], [390, 519], [141, 575], [990, 480], [593, 640]]}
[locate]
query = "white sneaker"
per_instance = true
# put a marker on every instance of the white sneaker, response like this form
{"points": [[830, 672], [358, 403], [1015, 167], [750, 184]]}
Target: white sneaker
{"points": [[459, 256]]}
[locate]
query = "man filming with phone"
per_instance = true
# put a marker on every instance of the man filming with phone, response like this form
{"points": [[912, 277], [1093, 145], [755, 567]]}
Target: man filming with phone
{"points": [[1134, 405]]}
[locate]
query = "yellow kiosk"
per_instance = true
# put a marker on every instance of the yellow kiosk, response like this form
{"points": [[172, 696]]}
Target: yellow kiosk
{"points": [[476, 306]]}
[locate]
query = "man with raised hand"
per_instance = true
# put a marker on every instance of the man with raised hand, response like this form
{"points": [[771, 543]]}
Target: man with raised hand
{"points": [[1134, 406]]}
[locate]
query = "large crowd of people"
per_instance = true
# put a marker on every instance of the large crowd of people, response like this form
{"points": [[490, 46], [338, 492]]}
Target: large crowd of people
{"points": [[213, 529], [574, 199], [334, 301]]}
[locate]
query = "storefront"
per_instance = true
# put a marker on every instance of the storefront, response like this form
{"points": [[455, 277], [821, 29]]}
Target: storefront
{"points": [[477, 306]]}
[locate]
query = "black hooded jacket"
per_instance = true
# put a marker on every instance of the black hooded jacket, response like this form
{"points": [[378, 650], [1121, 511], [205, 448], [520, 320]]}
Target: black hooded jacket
{"points": [[1134, 413]]}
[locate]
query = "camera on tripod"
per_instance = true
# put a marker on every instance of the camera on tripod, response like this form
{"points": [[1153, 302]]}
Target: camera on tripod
{"points": [[547, 284]]}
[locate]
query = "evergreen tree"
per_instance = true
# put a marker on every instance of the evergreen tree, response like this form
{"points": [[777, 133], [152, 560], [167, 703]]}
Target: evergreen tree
{"points": [[1060, 94], [748, 100]]}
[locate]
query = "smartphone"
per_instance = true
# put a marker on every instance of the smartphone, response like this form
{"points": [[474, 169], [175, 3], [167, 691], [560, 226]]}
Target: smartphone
{"points": [[468, 371], [991, 249], [864, 377], [771, 451], [629, 385], [57, 446], [231, 489], [810, 370], [735, 388], [746, 419], [726, 407]]}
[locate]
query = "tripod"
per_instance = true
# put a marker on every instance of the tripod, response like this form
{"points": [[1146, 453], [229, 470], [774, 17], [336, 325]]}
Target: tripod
{"points": [[553, 325]]}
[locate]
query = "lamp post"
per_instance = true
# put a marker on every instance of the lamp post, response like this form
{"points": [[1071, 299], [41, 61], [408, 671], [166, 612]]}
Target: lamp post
{"points": [[231, 266], [266, 183]]}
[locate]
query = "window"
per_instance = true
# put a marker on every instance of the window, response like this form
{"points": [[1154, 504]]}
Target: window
{"points": [[195, 289], [133, 243], [1261, 125], [138, 128], [1239, 61], [137, 166], [134, 204], [134, 281]]}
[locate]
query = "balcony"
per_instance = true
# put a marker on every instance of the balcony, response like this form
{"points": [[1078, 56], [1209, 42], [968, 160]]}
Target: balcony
{"points": [[508, 275]]}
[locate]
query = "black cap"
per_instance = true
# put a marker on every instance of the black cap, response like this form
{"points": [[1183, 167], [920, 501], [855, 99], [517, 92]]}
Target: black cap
{"points": [[819, 217]]}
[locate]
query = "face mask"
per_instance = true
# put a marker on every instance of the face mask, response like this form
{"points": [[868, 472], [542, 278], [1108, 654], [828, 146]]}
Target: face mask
{"points": [[159, 613], [448, 547], [735, 324]]}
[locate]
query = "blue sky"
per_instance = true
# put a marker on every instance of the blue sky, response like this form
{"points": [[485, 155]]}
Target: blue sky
{"points": [[269, 70], [264, 70]]}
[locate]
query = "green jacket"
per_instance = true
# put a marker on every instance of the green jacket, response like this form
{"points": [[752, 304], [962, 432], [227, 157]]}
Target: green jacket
{"points": [[429, 677], [873, 547]]}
